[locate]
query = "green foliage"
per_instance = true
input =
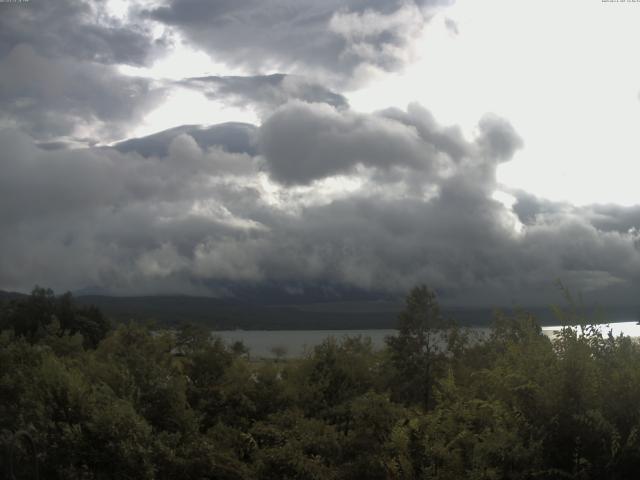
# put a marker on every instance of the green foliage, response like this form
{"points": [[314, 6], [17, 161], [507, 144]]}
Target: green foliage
{"points": [[292, 446], [416, 352], [42, 314], [437, 403], [336, 372]]}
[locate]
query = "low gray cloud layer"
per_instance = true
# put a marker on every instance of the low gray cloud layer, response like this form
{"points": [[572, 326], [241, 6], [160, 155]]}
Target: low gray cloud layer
{"points": [[381, 202]]}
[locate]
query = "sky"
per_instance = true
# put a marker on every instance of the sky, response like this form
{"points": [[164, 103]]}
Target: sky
{"points": [[485, 148]]}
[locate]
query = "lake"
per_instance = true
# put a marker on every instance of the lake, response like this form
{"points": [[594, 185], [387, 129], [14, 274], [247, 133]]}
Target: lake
{"points": [[297, 342]]}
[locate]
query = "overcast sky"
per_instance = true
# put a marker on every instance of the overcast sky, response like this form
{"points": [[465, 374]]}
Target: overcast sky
{"points": [[485, 148]]}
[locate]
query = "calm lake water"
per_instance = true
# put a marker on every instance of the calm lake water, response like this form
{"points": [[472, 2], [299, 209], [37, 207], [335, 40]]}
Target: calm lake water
{"points": [[297, 342]]}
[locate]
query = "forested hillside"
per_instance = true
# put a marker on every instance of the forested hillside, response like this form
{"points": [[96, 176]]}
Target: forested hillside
{"points": [[104, 403]]}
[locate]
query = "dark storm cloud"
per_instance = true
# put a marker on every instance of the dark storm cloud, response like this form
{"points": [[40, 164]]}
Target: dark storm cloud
{"points": [[316, 195], [51, 97], [54, 145], [181, 216], [265, 91], [59, 75], [77, 29], [304, 142], [81, 216], [616, 218], [609, 218], [530, 208], [333, 36]]}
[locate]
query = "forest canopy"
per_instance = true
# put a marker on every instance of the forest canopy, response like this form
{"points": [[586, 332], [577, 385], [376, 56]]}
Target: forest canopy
{"points": [[437, 402]]}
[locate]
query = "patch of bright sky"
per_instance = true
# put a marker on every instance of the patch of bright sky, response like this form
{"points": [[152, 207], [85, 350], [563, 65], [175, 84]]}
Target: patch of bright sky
{"points": [[182, 105], [117, 8], [321, 192], [185, 105], [563, 73], [510, 219]]}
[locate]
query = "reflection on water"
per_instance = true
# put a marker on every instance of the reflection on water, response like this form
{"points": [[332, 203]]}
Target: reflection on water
{"points": [[297, 342]]}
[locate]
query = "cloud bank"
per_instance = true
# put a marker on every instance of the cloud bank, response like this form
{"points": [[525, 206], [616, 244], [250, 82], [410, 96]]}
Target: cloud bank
{"points": [[313, 196], [320, 196]]}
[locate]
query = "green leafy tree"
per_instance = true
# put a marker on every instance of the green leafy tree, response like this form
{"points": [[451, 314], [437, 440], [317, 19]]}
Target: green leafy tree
{"points": [[336, 372], [42, 314], [292, 446], [31, 316], [417, 350]]}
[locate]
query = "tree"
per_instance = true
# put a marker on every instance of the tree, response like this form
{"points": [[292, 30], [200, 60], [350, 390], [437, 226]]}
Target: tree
{"points": [[336, 372], [191, 337], [29, 317], [42, 314], [239, 349], [279, 351], [416, 350]]}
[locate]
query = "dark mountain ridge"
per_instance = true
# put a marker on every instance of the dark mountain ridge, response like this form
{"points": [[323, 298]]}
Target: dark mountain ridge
{"points": [[260, 312]]}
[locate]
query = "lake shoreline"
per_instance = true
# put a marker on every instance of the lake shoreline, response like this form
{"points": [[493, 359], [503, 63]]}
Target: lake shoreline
{"points": [[296, 343]]}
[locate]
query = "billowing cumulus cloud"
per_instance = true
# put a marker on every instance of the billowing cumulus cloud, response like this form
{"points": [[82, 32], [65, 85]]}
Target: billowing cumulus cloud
{"points": [[331, 38], [305, 142], [378, 202], [499, 137]]}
